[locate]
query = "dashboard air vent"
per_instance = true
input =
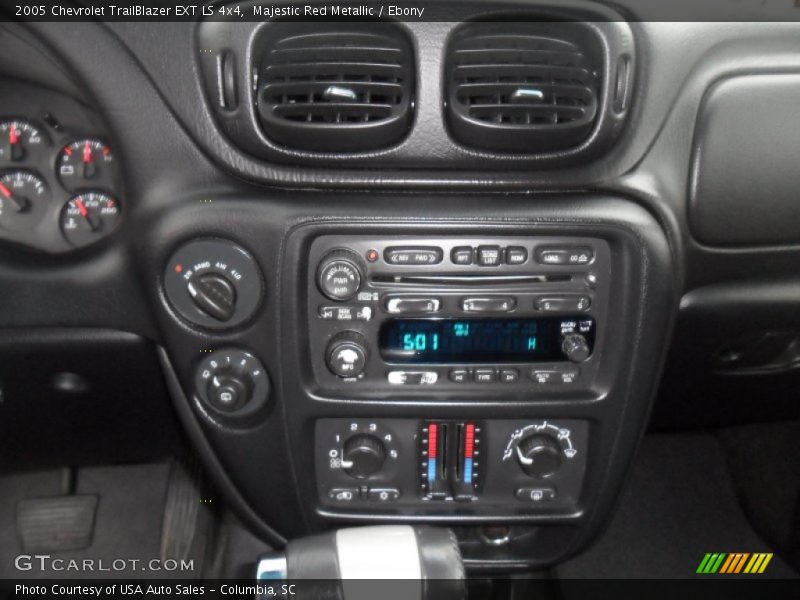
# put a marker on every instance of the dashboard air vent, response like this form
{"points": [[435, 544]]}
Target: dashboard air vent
{"points": [[523, 87], [341, 88]]}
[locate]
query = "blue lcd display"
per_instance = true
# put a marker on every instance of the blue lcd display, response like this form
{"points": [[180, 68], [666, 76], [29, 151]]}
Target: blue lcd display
{"points": [[474, 340]]}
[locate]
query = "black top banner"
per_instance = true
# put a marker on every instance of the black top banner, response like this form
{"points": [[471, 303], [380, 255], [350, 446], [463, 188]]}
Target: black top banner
{"points": [[155, 11]]}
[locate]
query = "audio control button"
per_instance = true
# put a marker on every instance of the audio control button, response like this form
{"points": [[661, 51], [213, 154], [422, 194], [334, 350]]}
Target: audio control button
{"points": [[459, 375], [509, 376], [461, 255], [516, 255], [413, 256], [489, 304], [564, 255], [406, 305], [412, 377], [543, 376], [484, 376], [345, 313], [489, 256]]}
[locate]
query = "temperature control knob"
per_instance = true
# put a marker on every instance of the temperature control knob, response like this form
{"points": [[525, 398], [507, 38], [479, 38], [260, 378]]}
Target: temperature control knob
{"points": [[363, 456], [339, 275], [575, 347], [347, 354], [539, 456]]}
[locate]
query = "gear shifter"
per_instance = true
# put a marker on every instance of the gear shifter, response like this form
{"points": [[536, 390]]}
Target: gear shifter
{"points": [[360, 563]]}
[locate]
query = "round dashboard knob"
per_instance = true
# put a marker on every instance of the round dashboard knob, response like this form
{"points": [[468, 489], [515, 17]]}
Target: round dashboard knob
{"points": [[363, 456], [347, 354], [339, 275], [229, 390], [539, 456], [575, 347]]}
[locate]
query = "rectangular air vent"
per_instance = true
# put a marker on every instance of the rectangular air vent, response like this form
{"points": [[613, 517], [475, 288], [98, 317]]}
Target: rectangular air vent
{"points": [[523, 87], [336, 87]]}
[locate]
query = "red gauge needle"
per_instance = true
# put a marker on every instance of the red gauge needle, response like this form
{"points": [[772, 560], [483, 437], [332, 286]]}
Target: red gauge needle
{"points": [[19, 203], [88, 162], [85, 213], [16, 151]]}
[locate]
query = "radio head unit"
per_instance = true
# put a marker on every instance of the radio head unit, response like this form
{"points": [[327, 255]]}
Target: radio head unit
{"points": [[394, 316]]}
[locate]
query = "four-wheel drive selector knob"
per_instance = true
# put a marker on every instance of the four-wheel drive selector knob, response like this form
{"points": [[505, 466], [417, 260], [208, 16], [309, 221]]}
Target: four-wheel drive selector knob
{"points": [[339, 274], [363, 456], [539, 456], [347, 354], [575, 347]]}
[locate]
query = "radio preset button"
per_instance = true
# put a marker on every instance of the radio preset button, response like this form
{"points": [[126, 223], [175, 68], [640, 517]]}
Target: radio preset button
{"points": [[489, 256], [484, 376], [509, 376], [564, 255], [459, 375], [413, 256], [461, 255], [489, 304], [562, 303], [405, 305], [516, 255], [412, 377]]}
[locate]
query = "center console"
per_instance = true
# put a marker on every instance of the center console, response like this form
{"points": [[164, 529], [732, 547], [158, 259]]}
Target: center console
{"points": [[342, 366]]}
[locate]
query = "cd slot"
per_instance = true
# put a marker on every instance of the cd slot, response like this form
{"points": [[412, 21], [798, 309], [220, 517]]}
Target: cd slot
{"points": [[439, 280]]}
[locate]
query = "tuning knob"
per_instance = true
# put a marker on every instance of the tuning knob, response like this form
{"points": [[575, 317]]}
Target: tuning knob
{"points": [[339, 275], [575, 347], [363, 456], [539, 456], [347, 354]]}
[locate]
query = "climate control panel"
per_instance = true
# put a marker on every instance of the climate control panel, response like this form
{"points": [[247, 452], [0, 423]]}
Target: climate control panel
{"points": [[494, 466]]}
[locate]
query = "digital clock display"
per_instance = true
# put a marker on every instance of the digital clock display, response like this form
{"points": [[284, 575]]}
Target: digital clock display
{"points": [[476, 340]]}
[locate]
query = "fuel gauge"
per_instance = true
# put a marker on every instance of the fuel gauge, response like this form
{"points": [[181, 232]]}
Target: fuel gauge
{"points": [[86, 163], [89, 216], [20, 141], [23, 200]]}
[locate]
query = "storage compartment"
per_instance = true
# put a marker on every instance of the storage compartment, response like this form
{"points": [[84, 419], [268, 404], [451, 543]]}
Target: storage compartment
{"points": [[745, 177]]}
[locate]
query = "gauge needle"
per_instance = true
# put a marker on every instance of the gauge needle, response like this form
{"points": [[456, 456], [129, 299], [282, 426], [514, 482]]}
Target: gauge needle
{"points": [[86, 214], [19, 203], [16, 151], [88, 164]]}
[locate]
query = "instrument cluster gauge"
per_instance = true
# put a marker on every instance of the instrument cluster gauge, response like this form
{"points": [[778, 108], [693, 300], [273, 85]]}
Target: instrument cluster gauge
{"points": [[24, 198], [86, 163], [89, 216], [20, 142]]}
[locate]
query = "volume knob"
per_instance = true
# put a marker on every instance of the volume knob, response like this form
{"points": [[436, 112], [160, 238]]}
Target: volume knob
{"points": [[339, 275]]}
